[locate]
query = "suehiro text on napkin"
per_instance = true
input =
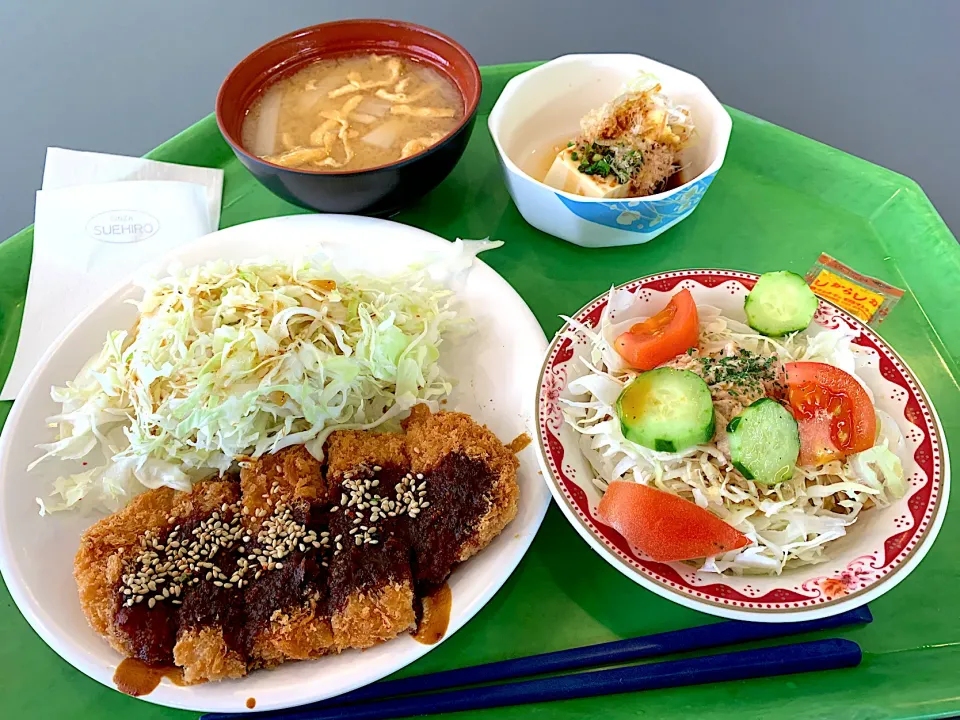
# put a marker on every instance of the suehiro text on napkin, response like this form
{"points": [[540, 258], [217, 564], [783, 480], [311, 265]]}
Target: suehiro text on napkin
{"points": [[99, 218]]}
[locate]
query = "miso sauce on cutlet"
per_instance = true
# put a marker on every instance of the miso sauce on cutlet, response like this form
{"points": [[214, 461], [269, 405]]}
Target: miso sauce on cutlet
{"points": [[459, 488], [436, 616], [371, 540], [152, 632], [193, 577], [213, 598], [295, 533], [182, 578], [136, 678]]}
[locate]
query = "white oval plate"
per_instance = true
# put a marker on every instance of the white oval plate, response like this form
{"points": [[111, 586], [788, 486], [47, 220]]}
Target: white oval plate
{"points": [[878, 551], [495, 367]]}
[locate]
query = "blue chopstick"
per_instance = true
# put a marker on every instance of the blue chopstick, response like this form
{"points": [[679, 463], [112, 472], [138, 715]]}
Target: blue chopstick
{"points": [[619, 651], [741, 665], [701, 637]]}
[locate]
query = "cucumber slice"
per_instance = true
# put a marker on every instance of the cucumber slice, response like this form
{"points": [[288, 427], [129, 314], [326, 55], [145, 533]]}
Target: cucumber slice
{"points": [[667, 410], [780, 303], [764, 442]]}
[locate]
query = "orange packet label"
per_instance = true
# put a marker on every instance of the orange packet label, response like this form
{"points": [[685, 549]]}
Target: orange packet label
{"points": [[851, 297], [862, 296]]}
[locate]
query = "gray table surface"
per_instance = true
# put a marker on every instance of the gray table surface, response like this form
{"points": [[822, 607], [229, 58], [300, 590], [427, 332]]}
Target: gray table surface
{"points": [[876, 78]]}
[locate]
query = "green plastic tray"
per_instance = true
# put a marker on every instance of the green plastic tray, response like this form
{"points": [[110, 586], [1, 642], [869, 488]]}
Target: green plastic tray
{"points": [[779, 201]]}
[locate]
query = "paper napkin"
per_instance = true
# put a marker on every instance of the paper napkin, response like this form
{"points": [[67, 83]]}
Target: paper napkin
{"points": [[98, 218]]}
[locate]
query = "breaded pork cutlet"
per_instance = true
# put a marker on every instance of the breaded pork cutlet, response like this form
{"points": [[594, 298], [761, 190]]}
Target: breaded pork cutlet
{"points": [[471, 481], [296, 560], [211, 615], [287, 615], [119, 583], [371, 588]]}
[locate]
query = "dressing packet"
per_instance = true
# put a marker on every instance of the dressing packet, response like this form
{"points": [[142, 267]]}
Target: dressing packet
{"points": [[862, 296]]}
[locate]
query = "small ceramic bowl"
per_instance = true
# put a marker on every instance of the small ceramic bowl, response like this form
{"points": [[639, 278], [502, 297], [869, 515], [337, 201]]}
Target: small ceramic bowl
{"points": [[381, 190], [542, 108]]}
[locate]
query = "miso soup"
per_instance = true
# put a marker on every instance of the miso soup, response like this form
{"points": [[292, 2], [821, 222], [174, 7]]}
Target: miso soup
{"points": [[352, 113]]}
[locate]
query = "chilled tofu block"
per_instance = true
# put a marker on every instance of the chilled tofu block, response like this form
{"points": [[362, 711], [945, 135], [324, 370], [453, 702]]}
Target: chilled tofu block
{"points": [[564, 175]]}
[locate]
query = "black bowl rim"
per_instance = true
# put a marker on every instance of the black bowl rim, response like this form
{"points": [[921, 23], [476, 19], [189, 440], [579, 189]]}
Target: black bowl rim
{"points": [[468, 114]]}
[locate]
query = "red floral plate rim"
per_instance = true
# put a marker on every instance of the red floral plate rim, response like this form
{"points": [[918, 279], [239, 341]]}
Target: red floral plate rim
{"points": [[864, 578]]}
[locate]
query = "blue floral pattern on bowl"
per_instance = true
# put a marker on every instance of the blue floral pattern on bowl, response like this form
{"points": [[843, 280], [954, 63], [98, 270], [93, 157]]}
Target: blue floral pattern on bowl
{"points": [[639, 215]]}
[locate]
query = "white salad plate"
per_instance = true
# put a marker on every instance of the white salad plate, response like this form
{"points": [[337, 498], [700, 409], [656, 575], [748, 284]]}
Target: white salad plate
{"points": [[495, 367], [879, 550]]}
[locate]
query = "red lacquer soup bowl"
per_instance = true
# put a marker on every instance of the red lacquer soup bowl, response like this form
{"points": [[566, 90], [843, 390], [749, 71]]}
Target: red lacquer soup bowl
{"points": [[381, 190]]}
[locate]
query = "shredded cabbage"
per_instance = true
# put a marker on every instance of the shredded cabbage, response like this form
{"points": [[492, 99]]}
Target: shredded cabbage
{"points": [[229, 360], [788, 524]]}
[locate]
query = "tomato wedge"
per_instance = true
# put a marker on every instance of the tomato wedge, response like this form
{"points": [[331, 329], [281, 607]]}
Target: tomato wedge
{"points": [[834, 412], [670, 332], [664, 526]]}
